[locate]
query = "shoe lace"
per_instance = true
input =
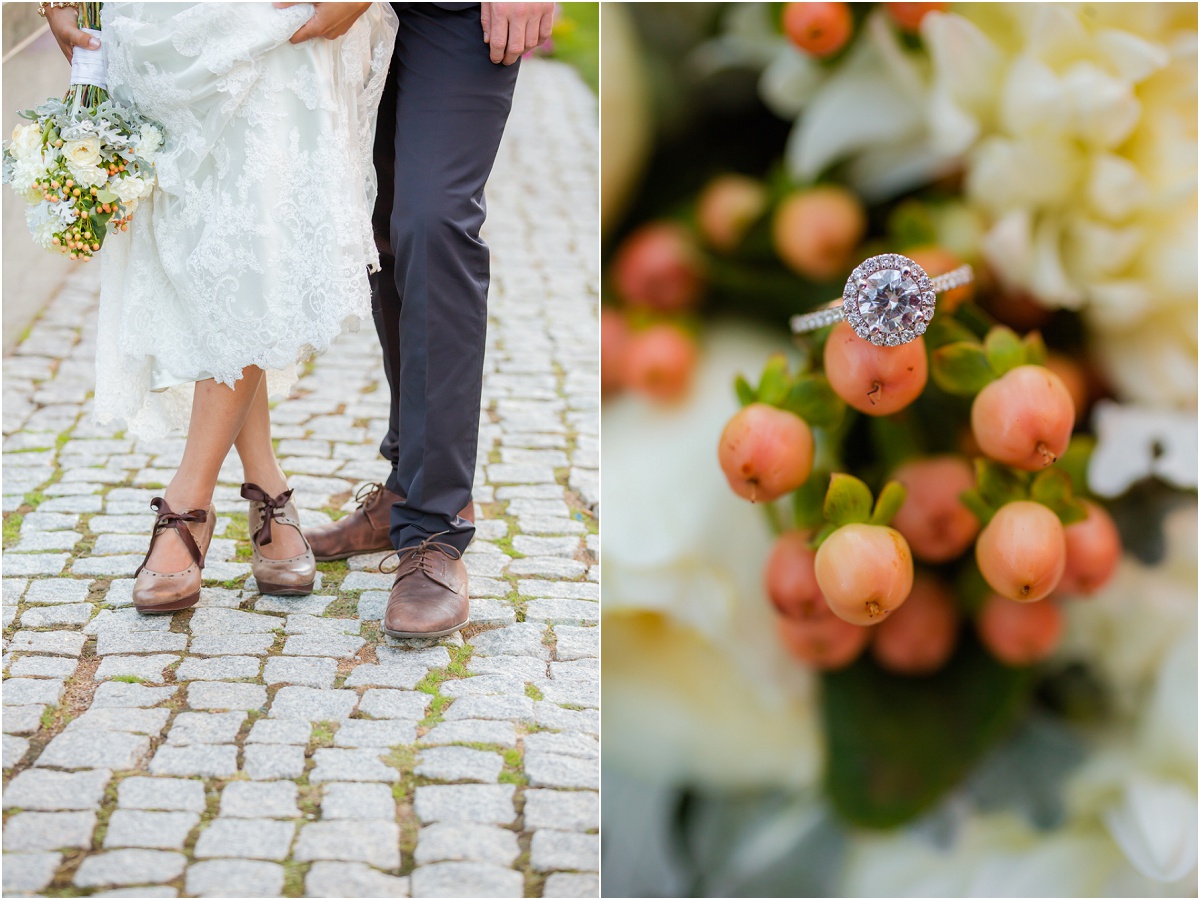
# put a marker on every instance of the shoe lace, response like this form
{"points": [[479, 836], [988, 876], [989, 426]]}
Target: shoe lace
{"points": [[273, 508], [167, 518], [421, 555], [367, 493]]}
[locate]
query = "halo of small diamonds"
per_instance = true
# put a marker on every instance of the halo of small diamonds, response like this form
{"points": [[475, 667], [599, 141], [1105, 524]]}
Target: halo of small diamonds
{"points": [[888, 300]]}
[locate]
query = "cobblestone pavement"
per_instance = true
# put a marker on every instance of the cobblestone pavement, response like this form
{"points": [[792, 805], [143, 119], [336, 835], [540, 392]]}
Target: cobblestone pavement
{"points": [[259, 746]]}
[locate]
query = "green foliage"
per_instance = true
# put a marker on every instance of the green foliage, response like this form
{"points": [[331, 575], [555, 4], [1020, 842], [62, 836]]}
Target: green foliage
{"points": [[577, 40], [997, 485], [895, 746], [805, 394], [964, 366], [848, 502]]}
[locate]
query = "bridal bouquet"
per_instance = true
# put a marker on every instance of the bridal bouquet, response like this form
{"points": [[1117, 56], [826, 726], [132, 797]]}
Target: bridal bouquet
{"points": [[83, 162]]}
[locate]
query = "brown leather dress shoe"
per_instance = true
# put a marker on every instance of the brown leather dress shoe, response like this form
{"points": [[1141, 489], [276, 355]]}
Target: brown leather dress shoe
{"points": [[366, 529], [429, 595], [165, 592], [288, 577]]}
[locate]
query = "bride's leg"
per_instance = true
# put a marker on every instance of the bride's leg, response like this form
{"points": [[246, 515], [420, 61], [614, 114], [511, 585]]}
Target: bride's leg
{"points": [[254, 446], [218, 413]]}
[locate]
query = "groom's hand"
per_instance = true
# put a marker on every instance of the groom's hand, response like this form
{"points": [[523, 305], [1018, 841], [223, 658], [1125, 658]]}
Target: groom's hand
{"points": [[64, 25], [512, 29], [331, 20]]}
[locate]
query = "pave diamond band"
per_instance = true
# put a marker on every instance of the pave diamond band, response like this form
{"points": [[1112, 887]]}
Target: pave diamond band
{"points": [[888, 300]]}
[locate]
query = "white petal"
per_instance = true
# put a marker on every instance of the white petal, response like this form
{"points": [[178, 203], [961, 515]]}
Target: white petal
{"points": [[966, 62], [1094, 249], [1155, 826], [1033, 98], [1049, 281], [1105, 109], [1115, 188], [789, 82], [1133, 58]]}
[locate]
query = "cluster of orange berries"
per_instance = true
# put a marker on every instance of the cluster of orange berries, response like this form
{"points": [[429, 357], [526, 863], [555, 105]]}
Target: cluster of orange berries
{"points": [[863, 574], [823, 29], [78, 241]]}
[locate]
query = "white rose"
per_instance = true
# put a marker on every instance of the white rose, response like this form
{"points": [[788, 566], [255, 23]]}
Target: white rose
{"points": [[130, 188], [87, 176], [42, 224], [26, 141], [84, 153], [149, 143]]}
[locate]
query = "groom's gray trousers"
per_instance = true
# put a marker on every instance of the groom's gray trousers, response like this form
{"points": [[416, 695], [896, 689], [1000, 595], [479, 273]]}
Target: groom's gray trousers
{"points": [[440, 122]]}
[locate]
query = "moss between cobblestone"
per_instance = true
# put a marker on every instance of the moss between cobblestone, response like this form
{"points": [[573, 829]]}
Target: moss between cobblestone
{"points": [[12, 528], [294, 874], [533, 692]]}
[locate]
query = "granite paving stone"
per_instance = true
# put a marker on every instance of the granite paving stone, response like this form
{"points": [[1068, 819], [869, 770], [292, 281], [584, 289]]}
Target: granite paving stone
{"points": [[296, 702], [144, 668], [139, 792], [135, 721], [375, 733], [279, 731], [225, 695], [466, 879], [264, 762], [571, 884], [234, 878], [152, 830], [471, 731], [206, 760], [385, 704], [94, 750], [27, 873], [246, 839], [219, 668], [354, 800], [459, 764], [358, 764], [466, 841], [563, 850], [120, 694], [117, 867], [253, 800], [14, 750], [353, 879], [32, 832], [485, 803], [52, 791], [310, 671], [205, 728], [351, 840]]}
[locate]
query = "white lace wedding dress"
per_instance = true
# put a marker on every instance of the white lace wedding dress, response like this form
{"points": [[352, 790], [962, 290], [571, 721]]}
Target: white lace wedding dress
{"points": [[255, 245]]}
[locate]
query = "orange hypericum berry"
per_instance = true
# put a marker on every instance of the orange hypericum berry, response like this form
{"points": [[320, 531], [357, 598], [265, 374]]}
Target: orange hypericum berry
{"points": [[919, 637], [727, 207], [875, 380], [1019, 634], [821, 29], [1022, 552], [765, 452], [614, 343], [1024, 418], [816, 231], [932, 518], [865, 572], [658, 267], [1093, 551], [659, 362], [1074, 379], [790, 578], [826, 643], [909, 15]]}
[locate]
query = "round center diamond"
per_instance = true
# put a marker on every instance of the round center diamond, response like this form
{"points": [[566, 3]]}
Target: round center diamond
{"points": [[889, 303]]}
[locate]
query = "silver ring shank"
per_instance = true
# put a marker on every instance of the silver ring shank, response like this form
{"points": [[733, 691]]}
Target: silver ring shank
{"points": [[833, 314]]}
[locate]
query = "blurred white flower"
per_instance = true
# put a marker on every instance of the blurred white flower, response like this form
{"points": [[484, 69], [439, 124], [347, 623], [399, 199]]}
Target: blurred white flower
{"points": [[24, 173], [131, 188], [149, 142], [1085, 165], [26, 141], [697, 687], [43, 223]]}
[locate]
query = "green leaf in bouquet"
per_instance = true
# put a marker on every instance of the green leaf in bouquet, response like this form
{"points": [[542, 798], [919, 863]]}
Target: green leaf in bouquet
{"points": [[999, 484], [896, 746], [1052, 488], [891, 498], [813, 400], [911, 224], [974, 501], [895, 438], [1035, 349], [1004, 350], [106, 196], [745, 393], [945, 330], [1075, 461], [808, 501], [773, 387], [971, 589], [821, 536], [848, 500], [961, 368]]}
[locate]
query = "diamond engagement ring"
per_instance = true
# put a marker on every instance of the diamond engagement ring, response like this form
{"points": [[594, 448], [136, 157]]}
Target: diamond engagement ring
{"points": [[888, 300]]}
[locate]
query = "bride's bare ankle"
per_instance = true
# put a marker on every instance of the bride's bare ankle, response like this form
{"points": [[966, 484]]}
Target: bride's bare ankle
{"points": [[272, 482]]}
